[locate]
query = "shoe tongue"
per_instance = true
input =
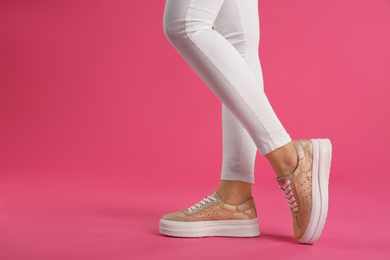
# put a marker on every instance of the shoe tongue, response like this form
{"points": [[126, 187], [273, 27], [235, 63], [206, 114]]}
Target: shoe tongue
{"points": [[282, 180], [215, 195]]}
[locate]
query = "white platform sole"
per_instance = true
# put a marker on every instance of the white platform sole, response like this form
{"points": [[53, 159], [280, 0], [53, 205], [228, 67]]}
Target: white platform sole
{"points": [[322, 156], [225, 228]]}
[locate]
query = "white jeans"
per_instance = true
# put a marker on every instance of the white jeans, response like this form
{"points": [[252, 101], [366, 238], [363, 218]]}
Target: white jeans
{"points": [[226, 59]]}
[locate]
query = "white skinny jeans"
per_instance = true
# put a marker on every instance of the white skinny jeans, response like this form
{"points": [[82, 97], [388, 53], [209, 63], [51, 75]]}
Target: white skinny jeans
{"points": [[226, 59]]}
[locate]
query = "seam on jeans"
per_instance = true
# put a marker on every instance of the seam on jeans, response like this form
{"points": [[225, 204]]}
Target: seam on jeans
{"points": [[245, 31], [213, 62], [244, 133], [240, 135], [243, 149]]}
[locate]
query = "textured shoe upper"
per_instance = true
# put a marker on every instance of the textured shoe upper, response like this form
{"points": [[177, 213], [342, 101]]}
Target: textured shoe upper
{"points": [[297, 187], [212, 208]]}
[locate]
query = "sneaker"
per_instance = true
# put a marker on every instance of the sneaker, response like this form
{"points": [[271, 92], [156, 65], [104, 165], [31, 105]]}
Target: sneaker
{"points": [[212, 217], [306, 189]]}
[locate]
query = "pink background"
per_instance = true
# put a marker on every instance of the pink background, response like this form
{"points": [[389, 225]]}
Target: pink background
{"points": [[104, 128]]}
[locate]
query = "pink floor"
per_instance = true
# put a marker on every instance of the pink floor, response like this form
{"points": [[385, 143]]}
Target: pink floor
{"points": [[85, 219]]}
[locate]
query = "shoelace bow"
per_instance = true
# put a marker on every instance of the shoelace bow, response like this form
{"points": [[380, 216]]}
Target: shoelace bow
{"points": [[201, 203], [289, 194]]}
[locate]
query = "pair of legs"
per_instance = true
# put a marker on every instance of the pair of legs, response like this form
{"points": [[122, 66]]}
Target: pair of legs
{"points": [[226, 58]]}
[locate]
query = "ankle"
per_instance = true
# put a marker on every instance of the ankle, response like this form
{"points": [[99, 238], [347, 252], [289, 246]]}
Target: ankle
{"points": [[234, 192], [283, 160], [286, 168]]}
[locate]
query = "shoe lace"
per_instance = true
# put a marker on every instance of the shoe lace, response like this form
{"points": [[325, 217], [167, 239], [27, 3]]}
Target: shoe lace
{"points": [[289, 194], [201, 203]]}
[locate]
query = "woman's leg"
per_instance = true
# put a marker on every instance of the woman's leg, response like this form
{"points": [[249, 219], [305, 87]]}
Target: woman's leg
{"points": [[239, 150], [188, 26]]}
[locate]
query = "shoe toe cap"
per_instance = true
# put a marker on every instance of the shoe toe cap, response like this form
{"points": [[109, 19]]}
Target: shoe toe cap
{"points": [[177, 216]]}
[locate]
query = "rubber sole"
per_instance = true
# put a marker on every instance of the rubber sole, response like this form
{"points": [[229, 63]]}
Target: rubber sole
{"points": [[224, 228], [322, 156]]}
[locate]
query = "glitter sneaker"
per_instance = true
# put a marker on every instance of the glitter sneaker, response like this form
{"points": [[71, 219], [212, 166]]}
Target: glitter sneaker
{"points": [[306, 189], [212, 217]]}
